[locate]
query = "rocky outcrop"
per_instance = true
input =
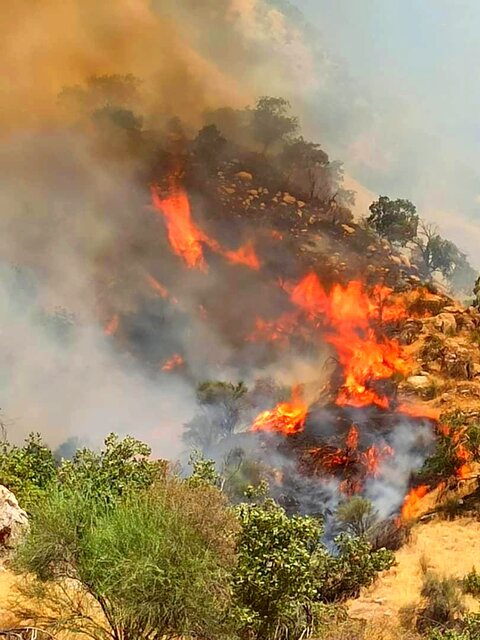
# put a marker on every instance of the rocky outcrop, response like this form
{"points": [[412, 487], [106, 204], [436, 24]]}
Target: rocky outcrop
{"points": [[13, 521]]}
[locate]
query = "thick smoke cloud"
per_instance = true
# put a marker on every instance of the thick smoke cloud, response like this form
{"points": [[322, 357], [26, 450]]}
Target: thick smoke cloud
{"points": [[69, 214]]}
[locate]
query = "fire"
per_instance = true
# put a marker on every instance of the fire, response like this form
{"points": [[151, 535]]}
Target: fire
{"points": [[244, 255], [184, 236], [351, 441], [157, 286], [348, 316], [173, 363], [287, 417], [410, 506], [112, 326], [374, 456], [187, 240]]}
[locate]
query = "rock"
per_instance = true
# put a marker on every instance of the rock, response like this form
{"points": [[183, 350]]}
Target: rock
{"points": [[13, 521], [419, 382], [252, 192], [300, 204], [244, 176], [288, 199], [458, 363], [229, 190], [405, 260], [348, 229], [396, 260], [446, 323]]}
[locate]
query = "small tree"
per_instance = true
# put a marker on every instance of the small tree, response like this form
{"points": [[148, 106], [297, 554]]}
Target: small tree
{"points": [[305, 164], [356, 516], [438, 254], [221, 404], [271, 122], [396, 220], [208, 145]]}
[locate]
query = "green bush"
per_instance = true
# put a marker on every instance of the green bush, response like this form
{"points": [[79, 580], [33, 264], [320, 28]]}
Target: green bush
{"points": [[122, 466], [471, 583], [273, 581], [356, 565], [28, 471], [140, 563], [443, 602]]}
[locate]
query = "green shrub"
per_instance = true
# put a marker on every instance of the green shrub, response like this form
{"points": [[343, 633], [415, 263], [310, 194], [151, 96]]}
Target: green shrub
{"points": [[139, 567], [28, 471], [356, 565], [356, 516], [443, 602], [273, 581], [471, 583]]}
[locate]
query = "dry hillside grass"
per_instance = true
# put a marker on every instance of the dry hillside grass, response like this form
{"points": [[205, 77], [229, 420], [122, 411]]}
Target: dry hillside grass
{"points": [[449, 548]]}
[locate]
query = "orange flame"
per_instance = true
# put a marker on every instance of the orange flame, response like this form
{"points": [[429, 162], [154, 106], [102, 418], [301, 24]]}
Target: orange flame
{"points": [[185, 238], [173, 363], [349, 315], [410, 507], [157, 286], [112, 326], [244, 255], [287, 417], [352, 438]]}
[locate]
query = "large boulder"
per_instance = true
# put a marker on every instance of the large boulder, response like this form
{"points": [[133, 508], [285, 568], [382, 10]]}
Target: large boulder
{"points": [[13, 521]]}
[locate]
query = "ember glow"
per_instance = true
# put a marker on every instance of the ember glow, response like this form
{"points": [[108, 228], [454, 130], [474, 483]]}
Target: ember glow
{"points": [[173, 363], [111, 327], [245, 255]]}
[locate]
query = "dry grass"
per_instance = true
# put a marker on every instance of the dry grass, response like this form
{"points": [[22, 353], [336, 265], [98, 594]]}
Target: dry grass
{"points": [[446, 547], [7, 582]]}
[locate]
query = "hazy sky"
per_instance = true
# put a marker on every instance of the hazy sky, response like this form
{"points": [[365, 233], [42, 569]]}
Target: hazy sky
{"points": [[412, 125]]}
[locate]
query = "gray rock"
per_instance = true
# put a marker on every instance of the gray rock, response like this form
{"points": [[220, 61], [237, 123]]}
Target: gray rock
{"points": [[13, 521]]}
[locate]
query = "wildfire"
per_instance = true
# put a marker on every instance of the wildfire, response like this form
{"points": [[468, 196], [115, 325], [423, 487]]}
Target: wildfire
{"points": [[348, 316], [410, 506], [244, 255], [173, 363], [287, 417], [111, 327], [187, 240], [184, 236]]}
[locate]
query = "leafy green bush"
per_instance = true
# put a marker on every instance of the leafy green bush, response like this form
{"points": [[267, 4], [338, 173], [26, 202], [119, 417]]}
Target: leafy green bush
{"points": [[471, 583], [138, 567], [122, 466], [28, 471], [273, 581], [469, 629], [341, 576]]}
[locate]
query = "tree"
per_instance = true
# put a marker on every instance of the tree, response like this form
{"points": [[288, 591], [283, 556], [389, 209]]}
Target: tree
{"points": [[208, 145], [436, 253], [396, 220], [144, 567], [271, 122], [220, 405], [305, 164]]}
